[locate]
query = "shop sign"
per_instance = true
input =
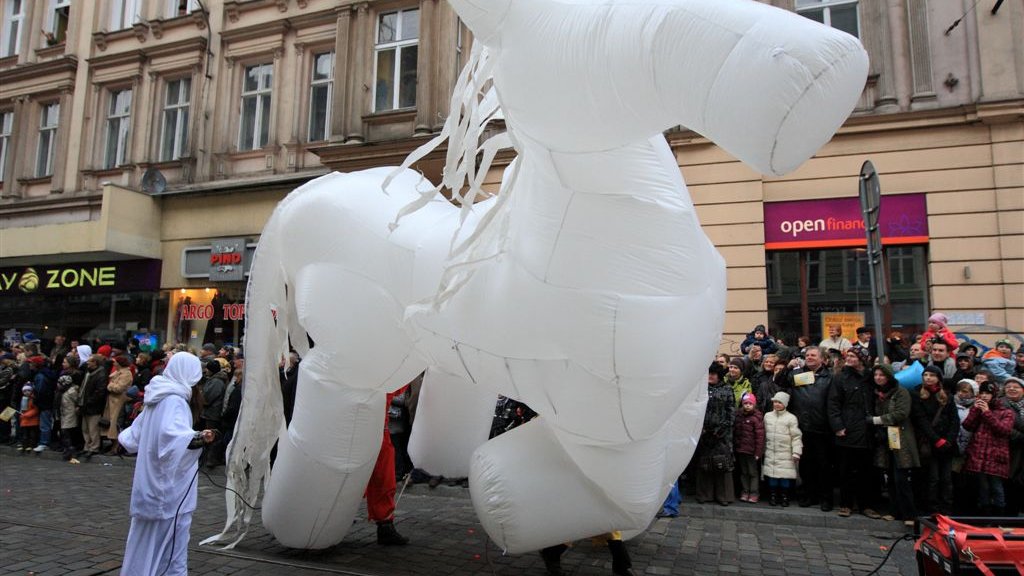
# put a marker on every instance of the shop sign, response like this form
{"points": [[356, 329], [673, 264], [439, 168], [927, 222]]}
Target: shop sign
{"points": [[227, 259], [850, 321], [839, 222], [208, 312], [84, 278]]}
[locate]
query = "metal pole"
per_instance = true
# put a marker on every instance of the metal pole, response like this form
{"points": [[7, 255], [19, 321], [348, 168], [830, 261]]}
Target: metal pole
{"points": [[870, 201]]}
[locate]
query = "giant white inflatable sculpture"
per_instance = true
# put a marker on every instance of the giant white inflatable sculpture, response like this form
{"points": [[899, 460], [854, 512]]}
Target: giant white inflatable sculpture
{"points": [[586, 288]]}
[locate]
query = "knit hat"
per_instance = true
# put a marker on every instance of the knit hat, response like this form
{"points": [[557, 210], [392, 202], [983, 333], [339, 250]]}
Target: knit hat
{"points": [[26, 389], [36, 361], [213, 366], [989, 387], [1005, 341], [1013, 380], [965, 346], [737, 362], [104, 350], [781, 397], [123, 361], [748, 397], [971, 383], [760, 328], [934, 370], [209, 347], [718, 369], [861, 353], [939, 318]]}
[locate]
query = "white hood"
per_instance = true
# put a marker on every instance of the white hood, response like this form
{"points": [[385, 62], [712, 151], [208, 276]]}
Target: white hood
{"points": [[181, 373]]}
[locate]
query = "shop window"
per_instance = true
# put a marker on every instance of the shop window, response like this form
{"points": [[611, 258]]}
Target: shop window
{"points": [[58, 17], [174, 133], [395, 55], [10, 35], [176, 8], [320, 90], [839, 14], [6, 122], [771, 270], [123, 14], [254, 128], [118, 121], [903, 261], [48, 117], [815, 272], [856, 276]]}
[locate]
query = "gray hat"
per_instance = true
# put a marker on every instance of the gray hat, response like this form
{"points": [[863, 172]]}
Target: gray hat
{"points": [[781, 397]]}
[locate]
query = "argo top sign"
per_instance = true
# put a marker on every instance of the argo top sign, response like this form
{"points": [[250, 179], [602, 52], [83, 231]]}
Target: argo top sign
{"points": [[83, 278], [837, 223]]}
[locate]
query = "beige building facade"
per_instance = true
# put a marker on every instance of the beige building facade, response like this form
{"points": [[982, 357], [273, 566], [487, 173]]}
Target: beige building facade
{"points": [[151, 140]]}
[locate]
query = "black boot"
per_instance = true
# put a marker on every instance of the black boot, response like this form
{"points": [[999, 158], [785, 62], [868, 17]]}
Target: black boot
{"points": [[388, 536], [774, 498], [784, 500], [622, 565], [552, 556]]}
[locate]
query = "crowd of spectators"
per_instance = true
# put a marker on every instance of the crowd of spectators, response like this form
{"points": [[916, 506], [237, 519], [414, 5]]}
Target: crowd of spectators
{"points": [[76, 397], [933, 426]]}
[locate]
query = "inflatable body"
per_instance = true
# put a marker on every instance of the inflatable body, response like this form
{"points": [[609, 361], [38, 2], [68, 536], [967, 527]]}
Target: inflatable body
{"points": [[586, 289]]}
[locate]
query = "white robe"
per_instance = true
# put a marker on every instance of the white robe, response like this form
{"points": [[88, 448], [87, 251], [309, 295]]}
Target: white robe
{"points": [[164, 487]]}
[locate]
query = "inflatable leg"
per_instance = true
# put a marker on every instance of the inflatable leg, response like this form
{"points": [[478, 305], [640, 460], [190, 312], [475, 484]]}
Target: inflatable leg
{"points": [[324, 459]]}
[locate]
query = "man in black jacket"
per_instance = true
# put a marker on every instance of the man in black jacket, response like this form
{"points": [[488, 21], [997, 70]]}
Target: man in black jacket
{"points": [[850, 403], [808, 390]]}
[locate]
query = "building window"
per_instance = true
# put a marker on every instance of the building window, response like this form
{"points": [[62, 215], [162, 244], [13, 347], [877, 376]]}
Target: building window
{"points": [[176, 8], [321, 86], [174, 137], [47, 139], [254, 130], [856, 276], [815, 272], [395, 60], [123, 14], [58, 18], [903, 266], [117, 127], [10, 35], [839, 14], [6, 122]]}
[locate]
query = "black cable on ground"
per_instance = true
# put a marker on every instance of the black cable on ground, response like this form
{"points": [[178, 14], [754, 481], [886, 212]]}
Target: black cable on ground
{"points": [[889, 553]]}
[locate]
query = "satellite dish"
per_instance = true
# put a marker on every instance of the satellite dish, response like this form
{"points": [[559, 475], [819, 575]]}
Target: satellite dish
{"points": [[153, 182]]}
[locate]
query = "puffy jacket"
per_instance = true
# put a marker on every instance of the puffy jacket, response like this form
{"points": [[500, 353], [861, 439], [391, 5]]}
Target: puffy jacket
{"points": [[809, 403], [748, 433], [943, 334], [1000, 366], [30, 415], [768, 346], [849, 406], [44, 385], [783, 440], [739, 388], [989, 449]]}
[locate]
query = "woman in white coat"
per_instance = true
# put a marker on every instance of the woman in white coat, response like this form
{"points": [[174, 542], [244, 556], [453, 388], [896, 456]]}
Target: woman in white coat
{"points": [[164, 487], [783, 447]]}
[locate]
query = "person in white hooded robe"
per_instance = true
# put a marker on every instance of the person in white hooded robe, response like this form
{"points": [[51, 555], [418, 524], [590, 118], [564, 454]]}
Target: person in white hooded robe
{"points": [[164, 487]]}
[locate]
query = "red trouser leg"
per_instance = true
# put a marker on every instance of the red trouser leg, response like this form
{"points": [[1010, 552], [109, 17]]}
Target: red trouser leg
{"points": [[380, 492]]}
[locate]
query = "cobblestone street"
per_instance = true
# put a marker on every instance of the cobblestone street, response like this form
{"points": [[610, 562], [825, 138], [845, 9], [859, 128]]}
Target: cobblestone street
{"points": [[63, 519]]}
